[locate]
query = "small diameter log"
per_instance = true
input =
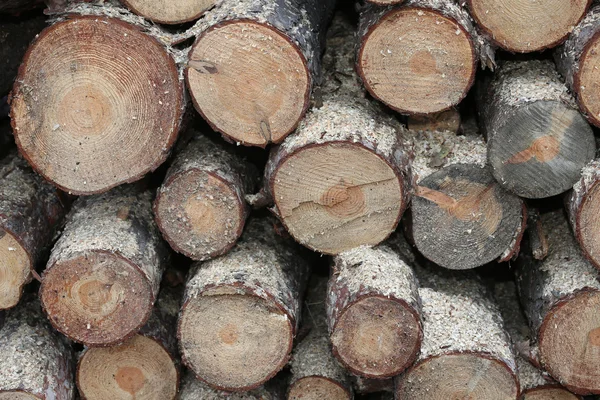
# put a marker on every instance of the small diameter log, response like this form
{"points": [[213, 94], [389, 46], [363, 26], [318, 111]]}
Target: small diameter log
{"points": [[561, 298], [240, 311], [316, 374], [36, 362], [30, 211], [103, 275], [524, 26], [373, 311], [200, 208], [169, 11], [106, 109], [444, 121], [261, 61], [538, 142], [466, 353], [419, 57], [193, 388]]}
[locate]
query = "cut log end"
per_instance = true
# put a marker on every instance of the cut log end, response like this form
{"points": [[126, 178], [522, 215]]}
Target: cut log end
{"points": [[96, 306], [377, 337], [337, 196], [540, 150], [106, 109], [586, 82], [527, 26], [462, 219], [260, 78], [169, 11], [317, 388], [139, 368], [458, 376], [417, 61], [588, 220], [15, 395], [573, 327], [548, 393], [234, 342], [15, 270], [200, 214]]}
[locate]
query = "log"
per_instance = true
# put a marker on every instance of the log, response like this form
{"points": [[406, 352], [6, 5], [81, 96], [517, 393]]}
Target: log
{"points": [[538, 142], [30, 212], [262, 61], [461, 218], [373, 311], [365, 386], [143, 367], [561, 296], [241, 311], [316, 374], [103, 275], [36, 363], [444, 121], [16, 7], [106, 110], [193, 388], [419, 57], [341, 181], [200, 207], [523, 26], [465, 352], [168, 11]]}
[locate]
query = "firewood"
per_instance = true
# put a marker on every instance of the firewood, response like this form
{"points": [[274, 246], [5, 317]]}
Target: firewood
{"points": [[252, 68], [374, 312], [366, 386], [524, 26], [420, 57], [538, 142], [193, 388], [200, 208], [30, 211], [316, 374], [169, 11], [103, 275], [36, 363], [466, 352], [240, 311], [97, 103], [561, 297], [16, 7], [444, 121]]}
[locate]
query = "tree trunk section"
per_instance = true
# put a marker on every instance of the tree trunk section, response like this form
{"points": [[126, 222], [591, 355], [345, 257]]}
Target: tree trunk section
{"points": [[200, 208], [107, 109], [273, 50], [561, 298], [240, 311], [104, 272], [538, 142], [30, 212], [168, 11], [36, 362]]}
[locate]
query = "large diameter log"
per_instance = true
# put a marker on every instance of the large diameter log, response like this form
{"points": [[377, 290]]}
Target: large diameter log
{"points": [[97, 103], [36, 362], [200, 207], [561, 299], [465, 352], [30, 211], [103, 275], [261, 61], [538, 142], [169, 11], [373, 312], [240, 311], [524, 26]]}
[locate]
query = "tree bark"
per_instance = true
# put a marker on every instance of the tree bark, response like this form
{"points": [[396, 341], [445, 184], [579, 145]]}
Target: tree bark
{"points": [[30, 212], [433, 65], [561, 296], [538, 142], [104, 272], [193, 388], [36, 363], [240, 311], [200, 207]]}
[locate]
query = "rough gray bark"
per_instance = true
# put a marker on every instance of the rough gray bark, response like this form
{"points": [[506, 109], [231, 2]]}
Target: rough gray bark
{"points": [[193, 388]]}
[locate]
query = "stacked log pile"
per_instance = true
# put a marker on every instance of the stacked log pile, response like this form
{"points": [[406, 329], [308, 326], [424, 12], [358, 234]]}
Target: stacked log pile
{"points": [[434, 230]]}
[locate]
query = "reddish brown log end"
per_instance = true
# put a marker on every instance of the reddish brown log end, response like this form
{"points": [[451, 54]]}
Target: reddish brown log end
{"points": [[249, 81], [417, 61], [586, 82], [317, 388], [97, 103], [15, 269], [548, 393], [169, 11], [587, 223]]}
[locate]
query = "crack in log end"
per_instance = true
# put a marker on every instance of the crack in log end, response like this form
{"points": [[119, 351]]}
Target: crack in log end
{"points": [[204, 67], [265, 130]]}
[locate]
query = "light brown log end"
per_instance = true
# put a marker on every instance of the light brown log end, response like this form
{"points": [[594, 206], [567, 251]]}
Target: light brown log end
{"points": [[586, 83], [97, 103], [98, 299], [548, 393], [417, 61], [249, 81], [169, 11], [587, 229], [15, 270], [140, 368], [317, 388]]}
